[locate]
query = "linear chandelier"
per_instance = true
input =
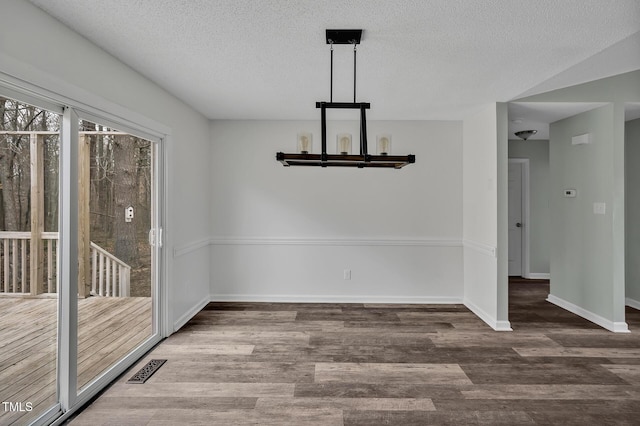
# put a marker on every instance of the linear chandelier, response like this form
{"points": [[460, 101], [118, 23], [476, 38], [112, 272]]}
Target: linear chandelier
{"points": [[343, 157]]}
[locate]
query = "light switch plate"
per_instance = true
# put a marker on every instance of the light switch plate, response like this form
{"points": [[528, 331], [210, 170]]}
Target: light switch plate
{"points": [[570, 193]]}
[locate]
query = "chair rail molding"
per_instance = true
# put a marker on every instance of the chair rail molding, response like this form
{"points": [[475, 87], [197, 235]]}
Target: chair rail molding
{"points": [[313, 241], [192, 246], [483, 248]]}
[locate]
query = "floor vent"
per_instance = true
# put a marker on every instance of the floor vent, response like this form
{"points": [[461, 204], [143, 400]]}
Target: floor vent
{"points": [[147, 371]]}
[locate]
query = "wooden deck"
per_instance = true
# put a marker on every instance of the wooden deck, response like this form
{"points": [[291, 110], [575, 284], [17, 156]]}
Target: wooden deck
{"points": [[108, 328]]}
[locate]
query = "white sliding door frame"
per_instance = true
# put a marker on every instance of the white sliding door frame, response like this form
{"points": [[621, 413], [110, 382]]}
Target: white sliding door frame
{"points": [[16, 92], [107, 376], [67, 268], [72, 110]]}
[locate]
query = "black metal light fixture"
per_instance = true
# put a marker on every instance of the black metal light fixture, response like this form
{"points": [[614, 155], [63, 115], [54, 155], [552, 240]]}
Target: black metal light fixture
{"points": [[343, 158], [525, 134]]}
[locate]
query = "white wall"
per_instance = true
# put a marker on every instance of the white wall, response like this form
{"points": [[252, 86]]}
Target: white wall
{"points": [[582, 242], [632, 197], [537, 151], [485, 291], [502, 151], [288, 233], [41, 51]]}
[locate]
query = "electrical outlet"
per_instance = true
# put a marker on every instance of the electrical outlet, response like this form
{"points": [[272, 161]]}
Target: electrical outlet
{"points": [[347, 274]]}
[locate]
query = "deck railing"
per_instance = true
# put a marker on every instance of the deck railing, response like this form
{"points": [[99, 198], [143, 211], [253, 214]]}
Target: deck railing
{"points": [[109, 275], [15, 270]]}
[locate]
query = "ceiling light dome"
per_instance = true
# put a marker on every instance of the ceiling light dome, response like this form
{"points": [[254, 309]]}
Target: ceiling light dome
{"points": [[525, 134]]}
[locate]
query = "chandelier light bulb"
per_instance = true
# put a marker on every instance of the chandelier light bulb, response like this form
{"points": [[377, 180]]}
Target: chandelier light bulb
{"points": [[343, 143], [384, 144], [304, 142]]}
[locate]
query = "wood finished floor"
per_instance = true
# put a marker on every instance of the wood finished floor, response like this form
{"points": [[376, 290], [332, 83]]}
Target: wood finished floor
{"points": [[359, 364]]}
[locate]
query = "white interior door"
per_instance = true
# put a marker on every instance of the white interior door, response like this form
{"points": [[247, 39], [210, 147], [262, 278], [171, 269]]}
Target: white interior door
{"points": [[515, 219]]}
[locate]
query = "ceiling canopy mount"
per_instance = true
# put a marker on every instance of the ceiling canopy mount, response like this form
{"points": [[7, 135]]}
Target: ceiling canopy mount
{"points": [[344, 36]]}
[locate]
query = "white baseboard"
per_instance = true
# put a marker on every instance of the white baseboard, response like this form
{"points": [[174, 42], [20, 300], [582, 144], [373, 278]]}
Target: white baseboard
{"points": [[285, 298], [490, 320], [538, 276], [616, 327], [633, 303], [180, 322]]}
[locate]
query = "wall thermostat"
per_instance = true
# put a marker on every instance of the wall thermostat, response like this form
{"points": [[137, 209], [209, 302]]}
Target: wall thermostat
{"points": [[570, 193]]}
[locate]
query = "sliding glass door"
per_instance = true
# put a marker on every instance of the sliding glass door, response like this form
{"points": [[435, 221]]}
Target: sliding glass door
{"points": [[79, 250], [29, 169], [115, 286]]}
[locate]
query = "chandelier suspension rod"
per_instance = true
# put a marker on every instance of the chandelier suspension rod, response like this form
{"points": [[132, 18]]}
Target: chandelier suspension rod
{"points": [[355, 51], [354, 71], [331, 90]]}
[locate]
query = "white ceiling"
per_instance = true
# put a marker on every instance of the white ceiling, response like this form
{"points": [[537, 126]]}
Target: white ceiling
{"points": [[419, 59]]}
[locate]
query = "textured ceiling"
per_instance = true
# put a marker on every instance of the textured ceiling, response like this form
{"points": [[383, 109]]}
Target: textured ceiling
{"points": [[419, 59]]}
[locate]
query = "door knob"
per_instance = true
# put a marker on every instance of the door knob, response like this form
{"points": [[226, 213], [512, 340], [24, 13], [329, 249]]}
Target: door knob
{"points": [[518, 225]]}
